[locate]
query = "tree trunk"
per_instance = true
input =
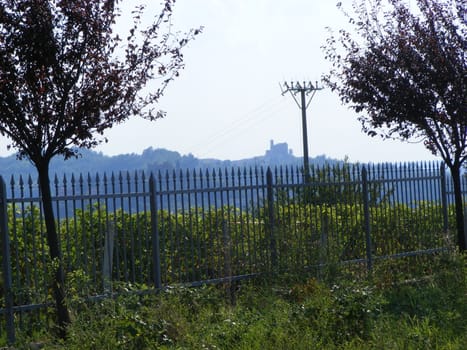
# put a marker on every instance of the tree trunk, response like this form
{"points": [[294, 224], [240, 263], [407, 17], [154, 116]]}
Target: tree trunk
{"points": [[63, 316], [456, 180]]}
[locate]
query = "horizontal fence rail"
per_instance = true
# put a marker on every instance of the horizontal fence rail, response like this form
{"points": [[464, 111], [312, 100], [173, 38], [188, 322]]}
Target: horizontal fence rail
{"points": [[195, 227]]}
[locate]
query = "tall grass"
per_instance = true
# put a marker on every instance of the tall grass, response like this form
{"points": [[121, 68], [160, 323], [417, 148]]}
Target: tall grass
{"points": [[412, 303]]}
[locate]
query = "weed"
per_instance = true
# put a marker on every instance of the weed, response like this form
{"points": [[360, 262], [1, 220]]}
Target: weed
{"points": [[425, 307]]}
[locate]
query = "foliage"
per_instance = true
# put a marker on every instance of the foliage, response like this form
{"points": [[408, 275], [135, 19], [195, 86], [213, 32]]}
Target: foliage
{"points": [[427, 311], [201, 245], [339, 184], [67, 75], [404, 72]]}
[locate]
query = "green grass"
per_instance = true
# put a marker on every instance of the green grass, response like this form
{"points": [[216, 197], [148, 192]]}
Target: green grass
{"points": [[418, 303]]}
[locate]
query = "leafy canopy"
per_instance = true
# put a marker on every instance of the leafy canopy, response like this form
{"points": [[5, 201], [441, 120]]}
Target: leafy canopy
{"points": [[403, 69], [67, 76]]}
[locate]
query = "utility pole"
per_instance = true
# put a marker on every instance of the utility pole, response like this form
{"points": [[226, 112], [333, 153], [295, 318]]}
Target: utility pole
{"points": [[305, 89]]}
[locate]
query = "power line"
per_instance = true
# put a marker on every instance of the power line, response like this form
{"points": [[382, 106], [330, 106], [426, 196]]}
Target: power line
{"points": [[247, 121]]}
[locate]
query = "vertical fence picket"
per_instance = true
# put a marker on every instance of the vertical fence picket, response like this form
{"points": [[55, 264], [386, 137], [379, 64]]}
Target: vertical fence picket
{"points": [[67, 224], [202, 245], [272, 229], [194, 223], [6, 264], [35, 260], [246, 213], [146, 271], [191, 227], [138, 233], [233, 220], [208, 244], [57, 215], [444, 198], [14, 236], [156, 258], [239, 222], [130, 228], [26, 267], [215, 228], [186, 234], [74, 219], [161, 226], [366, 214], [109, 236]]}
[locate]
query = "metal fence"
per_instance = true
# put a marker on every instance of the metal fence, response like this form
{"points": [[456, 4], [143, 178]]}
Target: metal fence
{"points": [[208, 226]]}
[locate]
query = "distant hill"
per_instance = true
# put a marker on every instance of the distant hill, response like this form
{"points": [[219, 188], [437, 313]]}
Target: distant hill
{"points": [[152, 160]]}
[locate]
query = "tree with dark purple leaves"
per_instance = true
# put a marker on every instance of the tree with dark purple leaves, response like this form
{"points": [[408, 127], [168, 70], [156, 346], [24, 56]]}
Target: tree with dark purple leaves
{"points": [[403, 68], [66, 76]]}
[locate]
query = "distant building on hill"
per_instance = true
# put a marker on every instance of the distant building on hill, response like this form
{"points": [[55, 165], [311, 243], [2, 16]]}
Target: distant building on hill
{"points": [[279, 154]]}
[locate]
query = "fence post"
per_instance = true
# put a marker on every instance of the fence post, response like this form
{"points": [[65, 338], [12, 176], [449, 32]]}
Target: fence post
{"points": [[366, 218], [444, 198], [156, 257], [7, 282], [270, 206]]}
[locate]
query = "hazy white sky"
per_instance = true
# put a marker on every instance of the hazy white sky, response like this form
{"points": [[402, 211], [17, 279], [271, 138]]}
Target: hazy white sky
{"points": [[227, 103]]}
